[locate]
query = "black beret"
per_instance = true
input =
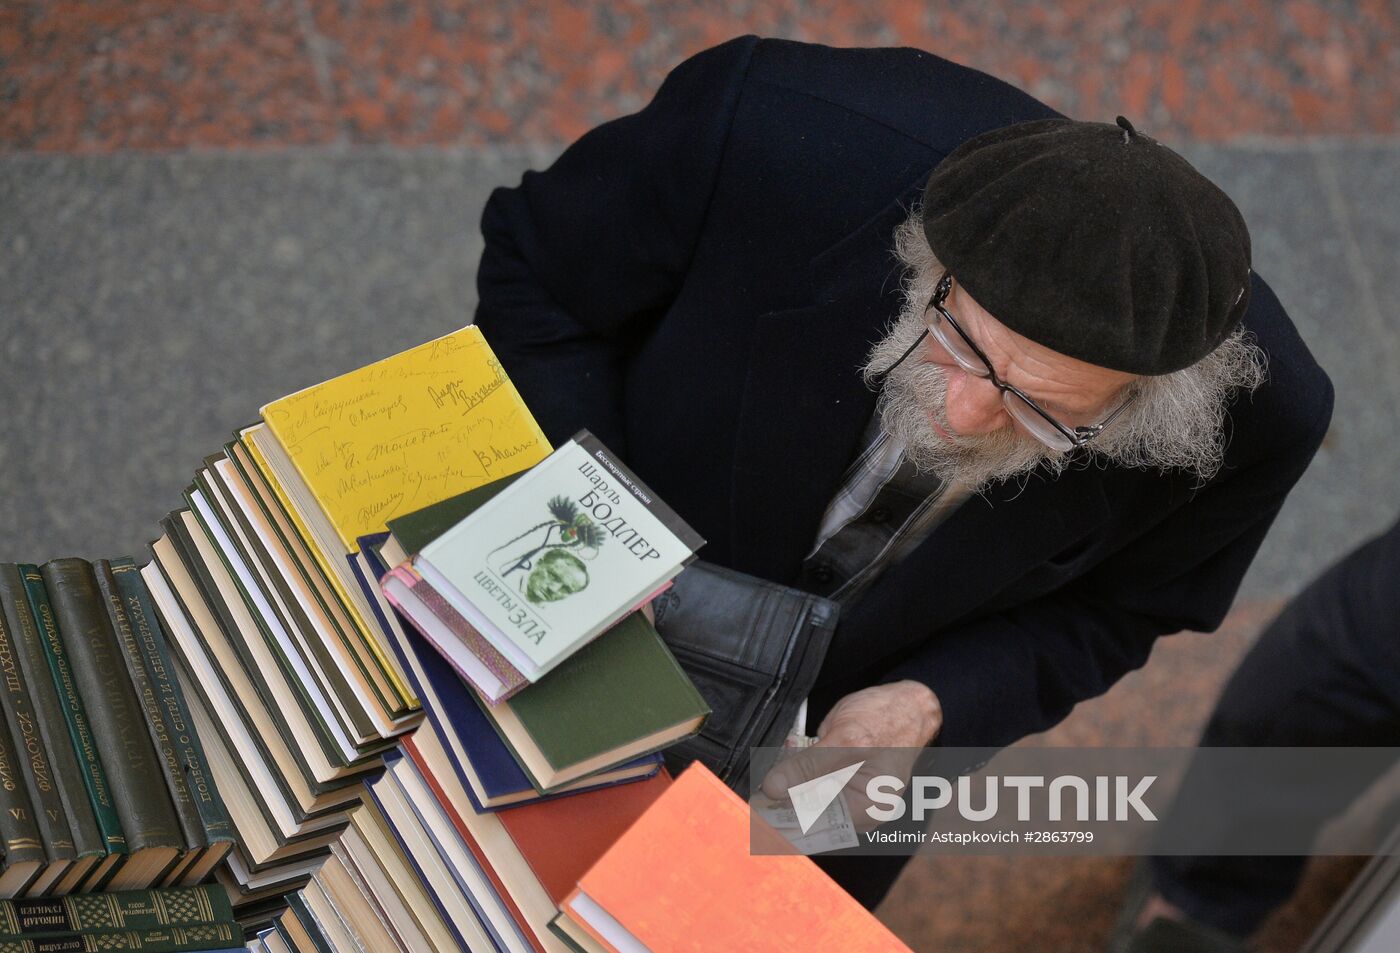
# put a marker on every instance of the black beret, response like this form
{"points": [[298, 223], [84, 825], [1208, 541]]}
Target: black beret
{"points": [[1093, 240]]}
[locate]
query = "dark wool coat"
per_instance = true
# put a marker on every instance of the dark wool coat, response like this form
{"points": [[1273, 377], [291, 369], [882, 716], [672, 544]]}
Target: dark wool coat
{"points": [[699, 283]]}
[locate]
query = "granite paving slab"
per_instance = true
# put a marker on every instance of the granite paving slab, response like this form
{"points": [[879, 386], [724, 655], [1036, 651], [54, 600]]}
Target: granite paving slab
{"points": [[103, 75]]}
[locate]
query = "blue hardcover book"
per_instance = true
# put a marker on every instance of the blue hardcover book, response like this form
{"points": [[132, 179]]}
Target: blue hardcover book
{"points": [[488, 771]]}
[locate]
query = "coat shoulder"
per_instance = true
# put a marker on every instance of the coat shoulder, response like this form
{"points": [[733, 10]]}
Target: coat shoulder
{"points": [[925, 96], [1293, 408]]}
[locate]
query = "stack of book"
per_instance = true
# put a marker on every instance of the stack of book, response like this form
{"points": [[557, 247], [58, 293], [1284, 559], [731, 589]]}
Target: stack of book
{"points": [[445, 777], [541, 575], [464, 843], [436, 857], [291, 678], [656, 865], [104, 782], [180, 920], [559, 556]]}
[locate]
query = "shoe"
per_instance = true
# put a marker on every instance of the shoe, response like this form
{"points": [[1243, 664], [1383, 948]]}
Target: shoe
{"points": [[1183, 936], [1134, 899], [1162, 935]]}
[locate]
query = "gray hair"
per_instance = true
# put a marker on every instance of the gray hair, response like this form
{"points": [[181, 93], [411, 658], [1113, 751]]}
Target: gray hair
{"points": [[1177, 421]]}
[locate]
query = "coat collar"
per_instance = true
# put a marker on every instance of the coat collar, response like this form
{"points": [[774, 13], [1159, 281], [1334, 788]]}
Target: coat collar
{"points": [[805, 404]]}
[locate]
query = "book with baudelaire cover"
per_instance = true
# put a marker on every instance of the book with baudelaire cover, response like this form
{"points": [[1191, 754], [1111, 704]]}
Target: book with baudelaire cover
{"points": [[560, 555]]}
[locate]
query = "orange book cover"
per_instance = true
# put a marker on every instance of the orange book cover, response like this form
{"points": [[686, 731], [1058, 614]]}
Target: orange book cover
{"points": [[589, 823], [682, 879]]}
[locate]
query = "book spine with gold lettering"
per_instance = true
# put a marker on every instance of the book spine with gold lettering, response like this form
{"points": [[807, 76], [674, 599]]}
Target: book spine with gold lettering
{"points": [[166, 749], [224, 935], [75, 714], [155, 654], [49, 811], [19, 835], [123, 741], [124, 910], [28, 642]]}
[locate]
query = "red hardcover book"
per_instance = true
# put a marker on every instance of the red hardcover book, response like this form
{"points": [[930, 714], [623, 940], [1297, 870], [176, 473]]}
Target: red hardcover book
{"points": [[589, 823]]}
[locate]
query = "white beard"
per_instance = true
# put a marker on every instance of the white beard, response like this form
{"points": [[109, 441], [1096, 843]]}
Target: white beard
{"points": [[917, 390]]}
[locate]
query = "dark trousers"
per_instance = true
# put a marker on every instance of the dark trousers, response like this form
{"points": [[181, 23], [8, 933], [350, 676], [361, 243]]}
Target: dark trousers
{"points": [[1326, 673]]}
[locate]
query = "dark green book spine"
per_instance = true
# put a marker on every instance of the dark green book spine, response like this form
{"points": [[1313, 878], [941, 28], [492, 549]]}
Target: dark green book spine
{"points": [[176, 536], [124, 910], [206, 936], [75, 713], [224, 503], [319, 718], [140, 610], [28, 644], [19, 834], [123, 742], [160, 733], [49, 812]]}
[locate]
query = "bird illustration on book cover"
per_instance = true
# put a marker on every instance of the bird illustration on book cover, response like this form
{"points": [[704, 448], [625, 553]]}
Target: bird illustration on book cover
{"points": [[548, 560]]}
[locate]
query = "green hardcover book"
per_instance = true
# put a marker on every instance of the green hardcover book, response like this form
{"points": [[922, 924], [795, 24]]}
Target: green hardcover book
{"points": [[28, 642], [175, 555], [272, 497], [213, 479], [19, 835], [148, 819], [124, 910], [177, 537], [334, 737], [261, 844], [621, 696], [75, 714], [50, 813], [339, 644], [155, 652], [161, 734], [201, 937], [209, 567], [277, 822]]}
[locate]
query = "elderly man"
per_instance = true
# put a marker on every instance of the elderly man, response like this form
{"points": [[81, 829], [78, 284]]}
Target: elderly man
{"points": [[1012, 415]]}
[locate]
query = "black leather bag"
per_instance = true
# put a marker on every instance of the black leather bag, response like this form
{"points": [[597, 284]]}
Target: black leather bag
{"points": [[753, 648]]}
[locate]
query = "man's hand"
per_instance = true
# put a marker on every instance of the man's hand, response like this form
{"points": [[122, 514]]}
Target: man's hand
{"points": [[899, 715], [899, 719]]}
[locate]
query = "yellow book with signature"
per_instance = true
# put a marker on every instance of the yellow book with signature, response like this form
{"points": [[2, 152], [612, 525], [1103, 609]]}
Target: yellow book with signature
{"points": [[390, 438], [405, 432]]}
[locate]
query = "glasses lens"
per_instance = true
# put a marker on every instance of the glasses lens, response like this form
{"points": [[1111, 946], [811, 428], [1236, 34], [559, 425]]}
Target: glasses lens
{"points": [[951, 341], [1034, 424]]}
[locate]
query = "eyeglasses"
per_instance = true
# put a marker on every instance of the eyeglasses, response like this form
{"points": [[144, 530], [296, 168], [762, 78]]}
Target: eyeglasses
{"points": [[1025, 411]]}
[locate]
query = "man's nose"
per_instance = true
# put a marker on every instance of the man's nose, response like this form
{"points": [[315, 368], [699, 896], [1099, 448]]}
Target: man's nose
{"points": [[974, 405]]}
